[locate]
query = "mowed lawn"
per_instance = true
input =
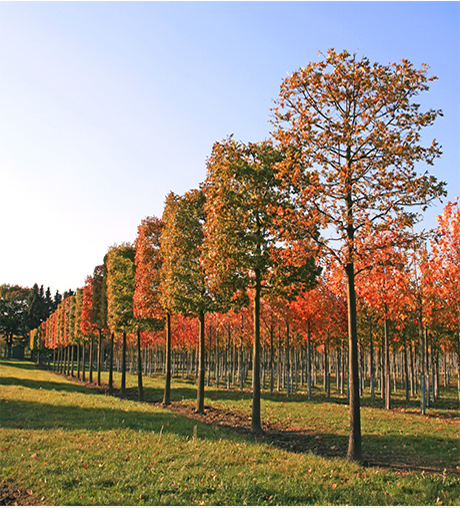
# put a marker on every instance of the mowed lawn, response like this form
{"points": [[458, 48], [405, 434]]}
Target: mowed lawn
{"points": [[63, 443]]}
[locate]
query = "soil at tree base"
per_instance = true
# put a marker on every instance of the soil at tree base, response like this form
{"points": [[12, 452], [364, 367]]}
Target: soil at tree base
{"points": [[297, 440], [10, 495]]}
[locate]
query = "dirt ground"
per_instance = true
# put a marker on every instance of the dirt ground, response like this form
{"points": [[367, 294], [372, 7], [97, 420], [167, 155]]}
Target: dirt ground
{"points": [[10, 495]]}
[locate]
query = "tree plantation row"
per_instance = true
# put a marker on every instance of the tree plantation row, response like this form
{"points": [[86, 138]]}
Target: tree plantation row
{"points": [[302, 248]]}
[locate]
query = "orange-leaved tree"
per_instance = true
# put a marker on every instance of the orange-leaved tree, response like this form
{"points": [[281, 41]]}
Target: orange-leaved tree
{"points": [[147, 308], [352, 133], [445, 264], [99, 312], [88, 328]]}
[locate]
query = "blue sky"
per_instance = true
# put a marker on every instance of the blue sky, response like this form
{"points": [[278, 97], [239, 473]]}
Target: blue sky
{"points": [[106, 107]]}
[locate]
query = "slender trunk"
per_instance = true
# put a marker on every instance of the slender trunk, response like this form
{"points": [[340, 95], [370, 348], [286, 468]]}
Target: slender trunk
{"points": [[272, 373], [354, 443], [458, 363], [99, 358], [71, 360], [123, 365], [433, 369], [91, 344], [111, 364], [167, 393], [83, 363], [229, 358], [413, 384], [422, 360], [309, 360], [387, 366], [139, 367], [240, 357], [216, 360], [406, 372], [78, 361], [288, 364], [255, 421], [201, 367], [278, 364], [371, 355]]}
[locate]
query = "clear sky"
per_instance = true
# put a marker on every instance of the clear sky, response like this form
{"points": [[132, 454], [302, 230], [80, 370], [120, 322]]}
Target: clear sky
{"points": [[106, 107]]}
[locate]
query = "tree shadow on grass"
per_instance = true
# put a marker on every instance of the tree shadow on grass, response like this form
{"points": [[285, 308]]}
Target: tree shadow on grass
{"points": [[392, 451], [69, 386]]}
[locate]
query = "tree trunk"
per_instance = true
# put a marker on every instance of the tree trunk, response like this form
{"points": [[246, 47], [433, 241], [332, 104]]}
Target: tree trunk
{"points": [[201, 367], [167, 393], [140, 388], [371, 360], [91, 345], [99, 358], [406, 371], [308, 360], [422, 360], [111, 364], [78, 360], [240, 358], [287, 364], [458, 366], [255, 421], [278, 364], [272, 371], [123, 365], [71, 360], [387, 366], [354, 443], [83, 363], [216, 363]]}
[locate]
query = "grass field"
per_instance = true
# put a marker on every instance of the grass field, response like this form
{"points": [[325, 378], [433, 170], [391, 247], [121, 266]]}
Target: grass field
{"points": [[65, 443]]}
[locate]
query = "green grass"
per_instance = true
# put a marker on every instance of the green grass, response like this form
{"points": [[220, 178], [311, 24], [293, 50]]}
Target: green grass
{"points": [[69, 445]]}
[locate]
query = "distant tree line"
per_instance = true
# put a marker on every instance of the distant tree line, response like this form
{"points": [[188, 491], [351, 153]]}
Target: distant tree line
{"points": [[24, 309]]}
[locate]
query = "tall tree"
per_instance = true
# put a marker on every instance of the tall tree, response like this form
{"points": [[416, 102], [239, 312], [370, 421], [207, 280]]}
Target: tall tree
{"points": [[445, 268], [244, 246], [99, 312], [120, 291], [183, 284], [148, 311], [13, 314], [87, 326], [352, 132]]}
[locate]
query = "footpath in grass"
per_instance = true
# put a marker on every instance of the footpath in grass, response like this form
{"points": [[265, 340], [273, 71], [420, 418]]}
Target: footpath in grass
{"points": [[65, 443]]}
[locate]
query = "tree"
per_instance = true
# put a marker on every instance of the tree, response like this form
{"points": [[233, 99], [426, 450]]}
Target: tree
{"points": [[87, 326], [78, 335], [352, 135], [445, 267], [99, 312], [244, 245], [383, 289], [183, 284], [120, 291], [147, 307], [37, 310], [13, 314]]}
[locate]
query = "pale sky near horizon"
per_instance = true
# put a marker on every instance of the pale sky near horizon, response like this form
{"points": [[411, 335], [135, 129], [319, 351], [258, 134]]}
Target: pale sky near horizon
{"points": [[106, 107]]}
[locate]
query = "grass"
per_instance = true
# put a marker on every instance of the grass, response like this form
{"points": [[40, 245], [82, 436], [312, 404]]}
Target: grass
{"points": [[68, 445]]}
